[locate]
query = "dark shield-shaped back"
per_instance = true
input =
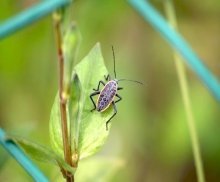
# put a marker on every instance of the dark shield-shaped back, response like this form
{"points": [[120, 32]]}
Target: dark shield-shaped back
{"points": [[106, 95]]}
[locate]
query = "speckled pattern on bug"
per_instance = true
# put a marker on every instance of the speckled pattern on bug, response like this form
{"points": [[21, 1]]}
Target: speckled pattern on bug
{"points": [[106, 95]]}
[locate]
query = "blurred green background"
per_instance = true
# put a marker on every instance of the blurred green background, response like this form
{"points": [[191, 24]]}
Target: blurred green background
{"points": [[149, 135]]}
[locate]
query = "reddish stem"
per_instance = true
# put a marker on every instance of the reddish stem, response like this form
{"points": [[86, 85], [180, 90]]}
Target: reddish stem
{"points": [[65, 136]]}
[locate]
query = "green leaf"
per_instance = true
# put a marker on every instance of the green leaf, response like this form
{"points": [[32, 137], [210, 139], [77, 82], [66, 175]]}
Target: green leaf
{"points": [[71, 42], [55, 128], [90, 133], [40, 152], [92, 130], [72, 118], [100, 169], [74, 107], [97, 169]]}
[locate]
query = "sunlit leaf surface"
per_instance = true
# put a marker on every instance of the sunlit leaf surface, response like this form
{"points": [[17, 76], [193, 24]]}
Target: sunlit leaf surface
{"points": [[90, 132]]}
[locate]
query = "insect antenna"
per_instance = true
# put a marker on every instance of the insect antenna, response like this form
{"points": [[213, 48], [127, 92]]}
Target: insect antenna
{"points": [[135, 81], [113, 52]]}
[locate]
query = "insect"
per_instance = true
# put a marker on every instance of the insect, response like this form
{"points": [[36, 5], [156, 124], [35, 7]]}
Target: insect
{"points": [[108, 93]]}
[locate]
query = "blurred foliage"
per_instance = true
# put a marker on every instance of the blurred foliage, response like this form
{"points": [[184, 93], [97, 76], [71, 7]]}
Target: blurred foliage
{"points": [[149, 132]]}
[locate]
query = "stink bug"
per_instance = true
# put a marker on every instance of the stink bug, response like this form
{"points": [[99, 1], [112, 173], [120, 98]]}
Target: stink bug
{"points": [[108, 93]]}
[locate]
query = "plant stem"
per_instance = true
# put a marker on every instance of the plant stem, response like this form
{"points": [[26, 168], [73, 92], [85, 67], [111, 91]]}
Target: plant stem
{"points": [[185, 96], [63, 101]]}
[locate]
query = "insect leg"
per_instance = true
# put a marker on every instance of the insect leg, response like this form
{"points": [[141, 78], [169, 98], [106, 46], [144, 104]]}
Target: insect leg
{"points": [[100, 82], [119, 88], [115, 112], [119, 98], [107, 77], [91, 97]]}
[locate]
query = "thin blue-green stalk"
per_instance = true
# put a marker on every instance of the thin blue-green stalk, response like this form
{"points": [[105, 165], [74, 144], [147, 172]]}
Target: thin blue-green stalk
{"points": [[29, 16], [24, 161], [177, 42], [168, 4]]}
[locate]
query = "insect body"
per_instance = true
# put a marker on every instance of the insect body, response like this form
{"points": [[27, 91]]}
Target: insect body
{"points": [[107, 94]]}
